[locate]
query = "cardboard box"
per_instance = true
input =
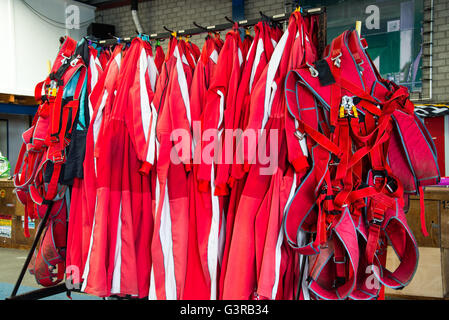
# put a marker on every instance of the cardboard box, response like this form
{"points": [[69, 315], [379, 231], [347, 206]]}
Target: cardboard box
{"points": [[9, 204], [12, 232], [20, 241]]}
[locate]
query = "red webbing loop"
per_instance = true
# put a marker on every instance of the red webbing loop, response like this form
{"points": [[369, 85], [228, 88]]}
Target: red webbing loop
{"points": [[422, 212], [339, 260]]}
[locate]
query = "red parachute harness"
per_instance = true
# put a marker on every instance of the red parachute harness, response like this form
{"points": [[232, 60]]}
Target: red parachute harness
{"points": [[365, 142], [42, 156]]}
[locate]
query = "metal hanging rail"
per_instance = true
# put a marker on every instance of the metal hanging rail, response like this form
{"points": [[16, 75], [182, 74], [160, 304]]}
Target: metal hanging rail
{"points": [[213, 28]]}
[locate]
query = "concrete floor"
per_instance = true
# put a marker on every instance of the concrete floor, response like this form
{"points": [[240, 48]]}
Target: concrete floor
{"points": [[11, 262]]}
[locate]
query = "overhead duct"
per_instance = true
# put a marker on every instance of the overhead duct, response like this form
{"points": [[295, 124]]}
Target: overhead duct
{"points": [[134, 10]]}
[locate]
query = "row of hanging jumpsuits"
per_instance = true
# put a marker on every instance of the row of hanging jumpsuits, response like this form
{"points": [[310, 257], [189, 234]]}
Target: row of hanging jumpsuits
{"points": [[150, 219], [143, 226]]}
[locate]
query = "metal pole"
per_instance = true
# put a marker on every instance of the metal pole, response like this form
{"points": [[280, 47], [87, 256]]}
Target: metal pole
{"points": [[33, 247]]}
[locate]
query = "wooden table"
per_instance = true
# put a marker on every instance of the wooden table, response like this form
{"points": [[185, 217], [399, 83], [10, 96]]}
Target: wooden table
{"points": [[432, 277]]}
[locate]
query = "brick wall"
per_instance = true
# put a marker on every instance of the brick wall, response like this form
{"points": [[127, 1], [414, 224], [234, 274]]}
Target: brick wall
{"points": [[154, 14], [179, 15], [440, 56]]}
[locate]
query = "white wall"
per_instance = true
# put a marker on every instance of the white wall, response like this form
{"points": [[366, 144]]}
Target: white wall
{"points": [[31, 38]]}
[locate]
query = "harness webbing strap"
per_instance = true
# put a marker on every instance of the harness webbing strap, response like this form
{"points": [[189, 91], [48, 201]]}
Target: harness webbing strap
{"points": [[422, 212]]}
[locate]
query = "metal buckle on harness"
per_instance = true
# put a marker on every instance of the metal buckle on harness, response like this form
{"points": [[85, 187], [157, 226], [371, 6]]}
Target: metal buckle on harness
{"points": [[361, 69], [64, 59], [377, 217], [52, 91], [391, 184], [75, 61], [382, 174], [347, 107], [337, 60], [58, 158], [377, 222], [313, 72], [335, 162], [339, 262], [299, 135]]}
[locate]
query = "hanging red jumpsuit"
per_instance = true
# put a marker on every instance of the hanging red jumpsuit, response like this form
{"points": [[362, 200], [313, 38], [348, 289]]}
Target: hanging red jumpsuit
{"points": [[198, 283], [247, 243], [97, 140], [258, 56], [217, 116], [123, 198], [170, 237], [159, 58]]}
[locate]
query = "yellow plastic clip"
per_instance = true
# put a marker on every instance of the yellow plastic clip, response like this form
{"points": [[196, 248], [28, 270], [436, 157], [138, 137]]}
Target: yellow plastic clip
{"points": [[342, 111], [354, 112], [52, 92], [174, 34], [187, 38], [247, 32], [358, 27], [298, 9]]}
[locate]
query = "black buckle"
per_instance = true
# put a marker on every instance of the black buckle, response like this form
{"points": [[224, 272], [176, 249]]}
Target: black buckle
{"points": [[338, 281], [391, 184], [356, 100], [335, 162], [379, 173], [363, 185]]}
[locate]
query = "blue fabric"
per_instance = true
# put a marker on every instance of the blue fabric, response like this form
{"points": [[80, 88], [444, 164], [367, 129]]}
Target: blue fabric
{"points": [[82, 108], [70, 88]]}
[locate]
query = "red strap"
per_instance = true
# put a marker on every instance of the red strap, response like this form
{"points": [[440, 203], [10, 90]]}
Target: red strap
{"points": [[56, 115], [52, 188], [38, 91], [321, 237], [300, 164], [422, 212], [69, 47], [344, 142], [26, 230], [319, 138], [145, 168], [371, 245], [339, 260], [362, 193], [370, 107]]}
